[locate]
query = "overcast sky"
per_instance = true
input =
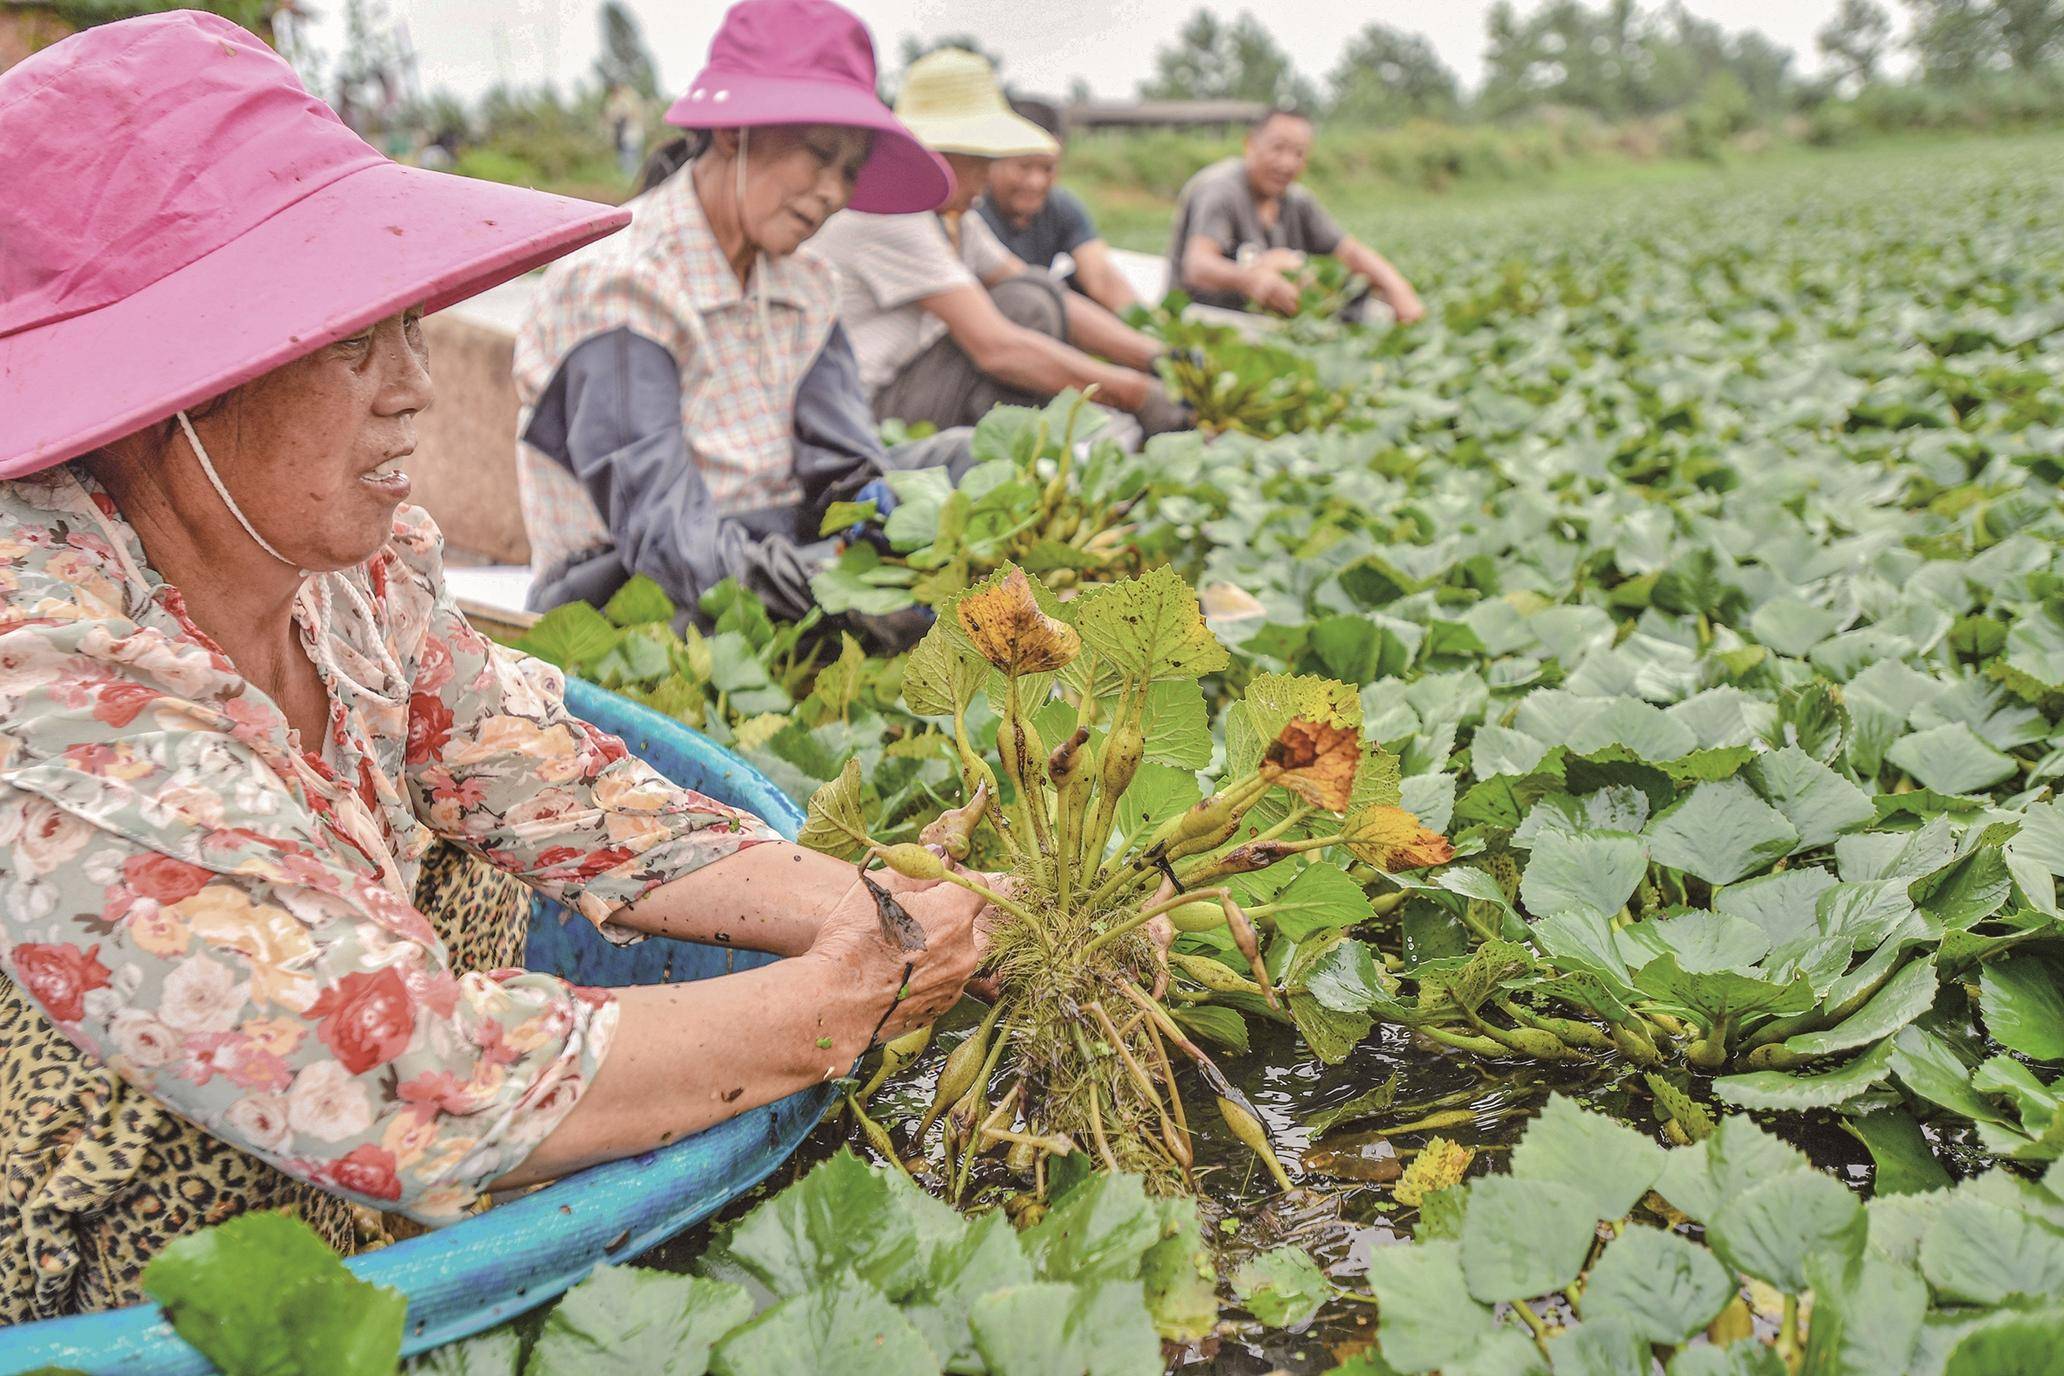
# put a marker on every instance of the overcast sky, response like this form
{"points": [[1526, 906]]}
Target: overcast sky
{"points": [[468, 45]]}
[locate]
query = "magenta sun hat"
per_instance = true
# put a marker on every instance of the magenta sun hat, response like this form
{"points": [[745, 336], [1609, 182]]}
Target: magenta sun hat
{"points": [[812, 62], [181, 216]]}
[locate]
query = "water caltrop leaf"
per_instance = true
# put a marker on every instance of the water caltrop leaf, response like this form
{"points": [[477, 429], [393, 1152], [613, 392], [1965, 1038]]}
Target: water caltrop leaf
{"points": [[2022, 999], [1795, 1092], [842, 1219], [1429, 1320], [571, 636], [627, 1320], [1609, 1162], [957, 1274], [1439, 1164], [2011, 1345], [1006, 625], [1523, 1238], [1720, 833], [263, 1293], [1316, 760], [1950, 759], [940, 678], [837, 821], [1658, 1284], [1596, 870], [1150, 627], [1283, 1287], [638, 602], [1391, 839], [1819, 803], [844, 1326], [1093, 1328], [1771, 1229]]}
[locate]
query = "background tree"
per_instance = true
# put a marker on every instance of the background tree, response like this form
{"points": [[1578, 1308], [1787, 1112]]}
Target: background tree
{"points": [[1953, 40], [1238, 61], [1856, 39], [625, 60], [2031, 32], [1386, 75]]}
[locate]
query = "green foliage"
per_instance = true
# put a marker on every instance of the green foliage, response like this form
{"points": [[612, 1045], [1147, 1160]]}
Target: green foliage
{"points": [[1046, 492], [1936, 1281], [850, 1269]]}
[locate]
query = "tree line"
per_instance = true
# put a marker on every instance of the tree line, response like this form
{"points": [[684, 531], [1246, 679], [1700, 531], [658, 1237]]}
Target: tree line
{"points": [[1617, 59]]}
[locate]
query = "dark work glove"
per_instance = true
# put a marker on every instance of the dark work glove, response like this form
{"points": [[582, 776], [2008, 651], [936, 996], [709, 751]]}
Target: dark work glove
{"points": [[1161, 413]]}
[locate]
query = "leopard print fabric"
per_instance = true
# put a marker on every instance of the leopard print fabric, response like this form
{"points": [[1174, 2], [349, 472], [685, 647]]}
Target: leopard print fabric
{"points": [[96, 1177]]}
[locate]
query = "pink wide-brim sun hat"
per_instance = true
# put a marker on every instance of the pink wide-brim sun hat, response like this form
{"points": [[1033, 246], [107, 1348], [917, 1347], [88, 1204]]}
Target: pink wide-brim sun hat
{"points": [[181, 216], [812, 62]]}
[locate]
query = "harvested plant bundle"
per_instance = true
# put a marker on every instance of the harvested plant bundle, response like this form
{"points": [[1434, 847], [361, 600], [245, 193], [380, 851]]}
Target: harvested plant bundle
{"points": [[1111, 850], [1045, 492]]}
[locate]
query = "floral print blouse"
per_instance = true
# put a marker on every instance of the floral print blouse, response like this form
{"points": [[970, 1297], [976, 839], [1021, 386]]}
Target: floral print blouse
{"points": [[220, 911]]}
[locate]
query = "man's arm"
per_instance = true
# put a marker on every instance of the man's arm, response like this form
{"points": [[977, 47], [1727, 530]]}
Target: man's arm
{"points": [[1390, 284], [1098, 273], [1206, 267], [1026, 358], [1104, 334]]}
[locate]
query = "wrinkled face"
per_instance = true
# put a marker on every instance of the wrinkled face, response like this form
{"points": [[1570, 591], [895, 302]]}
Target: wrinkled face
{"points": [[1276, 153], [970, 175], [1018, 186], [312, 450], [797, 176]]}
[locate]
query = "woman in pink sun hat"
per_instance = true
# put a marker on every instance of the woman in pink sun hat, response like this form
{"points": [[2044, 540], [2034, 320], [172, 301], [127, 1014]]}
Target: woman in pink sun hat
{"points": [[237, 707], [690, 404]]}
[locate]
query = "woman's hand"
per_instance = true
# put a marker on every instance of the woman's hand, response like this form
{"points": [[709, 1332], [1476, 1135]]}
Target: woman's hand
{"points": [[851, 942]]}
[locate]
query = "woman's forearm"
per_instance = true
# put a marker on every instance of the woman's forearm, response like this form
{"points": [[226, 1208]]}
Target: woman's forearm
{"points": [[688, 1056], [768, 897], [1097, 331]]}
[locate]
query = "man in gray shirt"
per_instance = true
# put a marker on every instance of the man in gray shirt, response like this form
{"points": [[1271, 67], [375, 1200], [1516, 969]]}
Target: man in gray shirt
{"points": [[1242, 223]]}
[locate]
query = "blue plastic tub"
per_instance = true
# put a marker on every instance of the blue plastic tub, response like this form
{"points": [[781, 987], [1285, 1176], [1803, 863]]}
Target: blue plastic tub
{"points": [[472, 1275]]}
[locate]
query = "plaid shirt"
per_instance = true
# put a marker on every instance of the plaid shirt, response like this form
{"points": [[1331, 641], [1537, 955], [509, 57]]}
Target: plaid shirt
{"points": [[665, 278]]}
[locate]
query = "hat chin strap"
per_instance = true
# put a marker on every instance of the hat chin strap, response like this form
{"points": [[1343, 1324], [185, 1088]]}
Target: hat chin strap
{"points": [[201, 452]]}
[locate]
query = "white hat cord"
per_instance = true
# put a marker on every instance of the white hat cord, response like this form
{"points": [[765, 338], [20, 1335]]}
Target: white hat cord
{"points": [[386, 662]]}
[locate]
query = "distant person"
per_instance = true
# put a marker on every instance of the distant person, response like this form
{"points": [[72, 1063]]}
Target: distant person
{"points": [[1046, 225], [689, 406], [625, 113], [946, 321], [1240, 224]]}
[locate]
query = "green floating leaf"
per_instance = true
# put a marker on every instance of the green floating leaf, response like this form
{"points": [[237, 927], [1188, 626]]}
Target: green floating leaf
{"points": [[640, 601], [1904, 997], [1904, 1162], [571, 636], [1787, 1091], [1770, 1230], [263, 1294], [627, 1321], [1429, 1320], [1819, 803], [1660, 1285], [1720, 832], [1150, 627], [1598, 871], [1610, 1163], [837, 816], [956, 1276], [1525, 1237], [496, 1352], [1977, 1251], [843, 1219], [1050, 1329], [1282, 1287], [1950, 759], [2022, 999], [845, 1326], [2011, 1345]]}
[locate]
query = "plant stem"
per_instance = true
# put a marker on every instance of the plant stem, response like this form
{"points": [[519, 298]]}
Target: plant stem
{"points": [[1533, 1321], [1132, 1066]]}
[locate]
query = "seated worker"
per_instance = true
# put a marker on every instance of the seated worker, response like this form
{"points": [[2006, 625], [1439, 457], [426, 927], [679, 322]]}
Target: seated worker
{"points": [[689, 404], [946, 322], [1047, 226], [1240, 224]]}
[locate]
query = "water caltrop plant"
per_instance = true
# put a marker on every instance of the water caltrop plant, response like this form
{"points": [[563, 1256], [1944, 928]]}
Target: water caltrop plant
{"points": [[1110, 848]]}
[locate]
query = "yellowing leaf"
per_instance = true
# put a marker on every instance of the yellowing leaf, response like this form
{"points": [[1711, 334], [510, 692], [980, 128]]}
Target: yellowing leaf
{"points": [[1440, 1165], [1391, 838], [1272, 701], [1230, 602], [1150, 627], [1316, 760], [754, 732], [836, 823], [1005, 623]]}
